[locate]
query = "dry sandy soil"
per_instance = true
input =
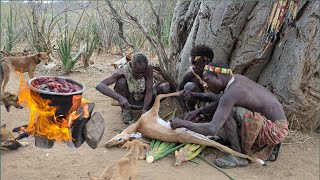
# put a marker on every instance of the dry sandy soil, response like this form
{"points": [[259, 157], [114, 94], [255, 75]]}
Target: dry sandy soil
{"points": [[296, 161]]}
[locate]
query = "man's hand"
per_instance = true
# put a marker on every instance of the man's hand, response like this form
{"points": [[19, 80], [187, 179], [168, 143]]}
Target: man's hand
{"points": [[187, 95], [124, 103], [143, 111], [176, 123], [191, 116]]}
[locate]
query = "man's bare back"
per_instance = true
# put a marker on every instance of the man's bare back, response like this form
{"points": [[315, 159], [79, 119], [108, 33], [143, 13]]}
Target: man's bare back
{"points": [[250, 95]]}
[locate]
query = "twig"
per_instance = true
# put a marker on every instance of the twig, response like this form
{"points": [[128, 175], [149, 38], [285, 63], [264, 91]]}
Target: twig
{"points": [[296, 137]]}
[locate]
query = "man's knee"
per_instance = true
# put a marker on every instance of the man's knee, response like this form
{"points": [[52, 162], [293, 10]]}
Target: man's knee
{"points": [[234, 112], [232, 121], [121, 83], [163, 88], [191, 86]]}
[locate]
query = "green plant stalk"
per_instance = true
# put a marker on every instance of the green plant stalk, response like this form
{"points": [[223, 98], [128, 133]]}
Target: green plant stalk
{"points": [[156, 144], [196, 153], [215, 166], [159, 156], [152, 143]]}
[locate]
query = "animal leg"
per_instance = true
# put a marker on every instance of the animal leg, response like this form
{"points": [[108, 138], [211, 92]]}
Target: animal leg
{"points": [[6, 74], [31, 74], [134, 176], [94, 177], [156, 106]]}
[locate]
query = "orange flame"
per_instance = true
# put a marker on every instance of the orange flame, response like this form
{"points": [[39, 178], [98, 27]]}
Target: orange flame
{"points": [[43, 121]]}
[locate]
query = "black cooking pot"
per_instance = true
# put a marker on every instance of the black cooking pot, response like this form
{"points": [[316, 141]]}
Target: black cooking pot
{"points": [[63, 101]]}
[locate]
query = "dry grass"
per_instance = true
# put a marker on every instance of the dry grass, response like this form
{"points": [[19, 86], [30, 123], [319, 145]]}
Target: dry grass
{"points": [[295, 136]]}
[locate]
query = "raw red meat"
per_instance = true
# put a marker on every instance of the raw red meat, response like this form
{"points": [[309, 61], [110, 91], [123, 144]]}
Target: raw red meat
{"points": [[54, 84]]}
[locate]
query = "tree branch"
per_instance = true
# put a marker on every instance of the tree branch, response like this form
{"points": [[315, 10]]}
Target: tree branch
{"points": [[120, 21]]}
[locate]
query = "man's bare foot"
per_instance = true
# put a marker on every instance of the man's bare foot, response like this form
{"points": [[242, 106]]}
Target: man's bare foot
{"points": [[230, 161]]}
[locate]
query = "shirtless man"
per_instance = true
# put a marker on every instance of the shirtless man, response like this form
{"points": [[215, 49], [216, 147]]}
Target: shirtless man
{"points": [[193, 90], [133, 86], [246, 109]]}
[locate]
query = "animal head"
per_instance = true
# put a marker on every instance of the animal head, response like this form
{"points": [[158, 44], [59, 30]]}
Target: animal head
{"points": [[135, 142], [123, 60], [5, 134], [118, 140], [10, 100], [43, 57]]}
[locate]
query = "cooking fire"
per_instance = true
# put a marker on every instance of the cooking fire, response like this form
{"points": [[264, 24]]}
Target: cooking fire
{"points": [[58, 112]]}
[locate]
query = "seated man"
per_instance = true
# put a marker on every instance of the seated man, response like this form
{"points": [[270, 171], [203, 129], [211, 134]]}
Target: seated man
{"points": [[193, 88], [133, 86], [246, 109]]}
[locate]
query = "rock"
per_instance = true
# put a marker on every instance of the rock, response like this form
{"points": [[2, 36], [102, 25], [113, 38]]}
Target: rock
{"points": [[94, 130], [79, 124], [293, 73]]}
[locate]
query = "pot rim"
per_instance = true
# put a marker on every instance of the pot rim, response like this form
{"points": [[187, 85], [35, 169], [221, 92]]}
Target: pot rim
{"points": [[56, 93]]}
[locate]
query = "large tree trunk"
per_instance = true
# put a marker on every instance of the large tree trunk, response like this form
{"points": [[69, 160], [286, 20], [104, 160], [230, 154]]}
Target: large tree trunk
{"points": [[293, 71], [234, 30], [182, 22]]}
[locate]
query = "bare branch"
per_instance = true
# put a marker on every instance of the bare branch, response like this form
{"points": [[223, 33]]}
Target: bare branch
{"points": [[120, 21], [155, 43], [158, 22], [141, 27]]}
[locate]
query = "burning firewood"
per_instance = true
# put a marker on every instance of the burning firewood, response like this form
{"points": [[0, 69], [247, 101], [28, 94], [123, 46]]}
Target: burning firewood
{"points": [[55, 113]]}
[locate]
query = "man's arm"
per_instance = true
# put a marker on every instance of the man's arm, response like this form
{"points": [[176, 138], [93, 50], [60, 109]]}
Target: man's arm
{"points": [[149, 86], [186, 78], [221, 115], [104, 89], [205, 97], [210, 108]]}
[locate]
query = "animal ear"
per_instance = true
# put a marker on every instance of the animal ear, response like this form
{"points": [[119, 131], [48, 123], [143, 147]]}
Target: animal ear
{"points": [[38, 55], [145, 146], [49, 52], [129, 56], [3, 125], [127, 144]]}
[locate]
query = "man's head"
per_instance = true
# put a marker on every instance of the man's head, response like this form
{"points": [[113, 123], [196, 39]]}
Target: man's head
{"points": [[200, 56], [216, 75], [139, 64]]}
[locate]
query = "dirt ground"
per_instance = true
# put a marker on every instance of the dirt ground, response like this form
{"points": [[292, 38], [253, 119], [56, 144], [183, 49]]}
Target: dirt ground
{"points": [[296, 161]]}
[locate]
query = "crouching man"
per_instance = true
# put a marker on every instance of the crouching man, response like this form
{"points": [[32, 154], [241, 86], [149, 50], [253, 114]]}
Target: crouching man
{"points": [[193, 91], [252, 117], [133, 86]]}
